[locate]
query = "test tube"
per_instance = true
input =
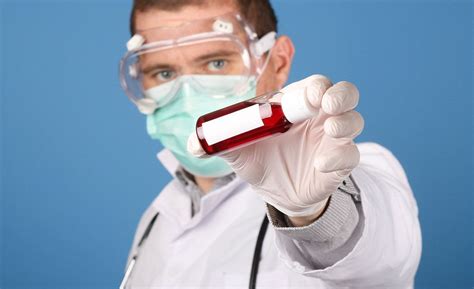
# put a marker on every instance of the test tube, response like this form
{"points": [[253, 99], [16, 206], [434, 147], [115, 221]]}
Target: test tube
{"points": [[252, 120]]}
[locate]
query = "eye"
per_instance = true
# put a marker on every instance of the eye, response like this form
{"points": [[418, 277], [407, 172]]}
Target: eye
{"points": [[216, 65], [164, 75]]}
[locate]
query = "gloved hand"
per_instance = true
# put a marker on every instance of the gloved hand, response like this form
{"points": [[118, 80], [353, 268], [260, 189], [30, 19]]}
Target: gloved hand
{"points": [[297, 171]]}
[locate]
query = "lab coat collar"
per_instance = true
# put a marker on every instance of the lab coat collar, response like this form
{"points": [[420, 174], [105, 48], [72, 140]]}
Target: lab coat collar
{"points": [[168, 160], [176, 203]]}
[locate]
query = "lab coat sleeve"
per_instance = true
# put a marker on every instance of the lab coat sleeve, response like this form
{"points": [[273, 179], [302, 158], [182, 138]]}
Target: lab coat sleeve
{"points": [[374, 243]]}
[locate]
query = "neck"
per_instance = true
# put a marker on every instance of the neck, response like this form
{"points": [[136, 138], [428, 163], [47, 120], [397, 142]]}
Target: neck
{"points": [[204, 183]]}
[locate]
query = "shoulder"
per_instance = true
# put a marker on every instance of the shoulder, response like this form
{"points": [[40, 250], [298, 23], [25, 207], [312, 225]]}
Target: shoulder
{"points": [[380, 171], [150, 213], [378, 158], [169, 194]]}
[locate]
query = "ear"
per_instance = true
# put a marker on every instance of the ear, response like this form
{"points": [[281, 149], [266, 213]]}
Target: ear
{"points": [[281, 59]]}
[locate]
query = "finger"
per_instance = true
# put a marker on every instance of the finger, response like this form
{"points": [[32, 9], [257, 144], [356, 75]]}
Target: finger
{"points": [[313, 86], [341, 97], [194, 146], [327, 183], [341, 158], [347, 125]]}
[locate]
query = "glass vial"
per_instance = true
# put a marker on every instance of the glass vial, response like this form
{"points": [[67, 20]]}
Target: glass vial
{"points": [[252, 120]]}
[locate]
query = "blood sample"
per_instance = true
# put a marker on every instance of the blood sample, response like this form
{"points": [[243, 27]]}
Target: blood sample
{"points": [[252, 120]]}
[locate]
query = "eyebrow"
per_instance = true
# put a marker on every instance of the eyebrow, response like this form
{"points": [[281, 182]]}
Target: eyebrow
{"points": [[215, 54], [150, 68]]}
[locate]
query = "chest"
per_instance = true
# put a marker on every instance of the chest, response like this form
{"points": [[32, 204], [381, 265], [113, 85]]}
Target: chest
{"points": [[217, 251]]}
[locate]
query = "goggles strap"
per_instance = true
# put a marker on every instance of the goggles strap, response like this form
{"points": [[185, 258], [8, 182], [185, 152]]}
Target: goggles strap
{"points": [[135, 42], [265, 43]]}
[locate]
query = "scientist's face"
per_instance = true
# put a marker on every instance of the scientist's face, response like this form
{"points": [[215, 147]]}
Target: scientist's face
{"points": [[277, 70]]}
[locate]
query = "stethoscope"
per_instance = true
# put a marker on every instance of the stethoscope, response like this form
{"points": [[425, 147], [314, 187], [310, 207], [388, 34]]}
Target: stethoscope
{"points": [[255, 259]]}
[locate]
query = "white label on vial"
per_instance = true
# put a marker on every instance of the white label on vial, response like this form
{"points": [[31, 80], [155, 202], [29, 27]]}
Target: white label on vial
{"points": [[232, 124]]}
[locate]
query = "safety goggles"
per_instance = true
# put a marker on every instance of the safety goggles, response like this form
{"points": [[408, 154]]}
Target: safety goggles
{"points": [[219, 57]]}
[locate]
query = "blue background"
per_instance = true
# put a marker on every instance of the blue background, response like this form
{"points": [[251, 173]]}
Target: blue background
{"points": [[77, 168]]}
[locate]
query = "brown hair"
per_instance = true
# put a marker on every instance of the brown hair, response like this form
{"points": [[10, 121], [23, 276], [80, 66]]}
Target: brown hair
{"points": [[259, 13]]}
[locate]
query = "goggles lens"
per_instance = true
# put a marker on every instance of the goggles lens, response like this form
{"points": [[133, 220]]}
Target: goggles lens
{"points": [[217, 57], [205, 51]]}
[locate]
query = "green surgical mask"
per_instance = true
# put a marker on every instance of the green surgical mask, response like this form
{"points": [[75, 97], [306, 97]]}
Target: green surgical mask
{"points": [[173, 123]]}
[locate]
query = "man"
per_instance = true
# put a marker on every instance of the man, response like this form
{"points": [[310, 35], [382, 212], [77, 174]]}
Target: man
{"points": [[335, 221]]}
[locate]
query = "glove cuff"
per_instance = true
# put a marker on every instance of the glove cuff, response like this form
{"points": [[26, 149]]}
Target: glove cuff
{"points": [[306, 211], [339, 219]]}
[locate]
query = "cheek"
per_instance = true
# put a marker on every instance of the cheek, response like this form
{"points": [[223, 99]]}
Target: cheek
{"points": [[266, 84]]}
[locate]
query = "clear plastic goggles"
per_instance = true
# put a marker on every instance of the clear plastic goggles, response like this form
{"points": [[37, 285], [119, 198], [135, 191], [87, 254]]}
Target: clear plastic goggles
{"points": [[203, 50]]}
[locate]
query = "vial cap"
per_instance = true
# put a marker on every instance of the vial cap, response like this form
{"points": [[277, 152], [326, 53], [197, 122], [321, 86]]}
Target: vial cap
{"points": [[296, 107]]}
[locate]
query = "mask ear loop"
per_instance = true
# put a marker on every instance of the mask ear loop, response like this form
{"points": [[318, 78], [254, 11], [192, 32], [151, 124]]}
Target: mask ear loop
{"points": [[265, 64]]}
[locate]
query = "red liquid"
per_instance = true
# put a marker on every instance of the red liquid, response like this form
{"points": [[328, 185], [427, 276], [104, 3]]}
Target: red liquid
{"points": [[276, 123]]}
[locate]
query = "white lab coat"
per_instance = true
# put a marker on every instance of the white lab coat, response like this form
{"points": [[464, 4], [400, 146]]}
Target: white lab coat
{"points": [[214, 248]]}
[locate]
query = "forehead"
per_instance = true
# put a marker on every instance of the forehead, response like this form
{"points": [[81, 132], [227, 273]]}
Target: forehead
{"points": [[152, 18]]}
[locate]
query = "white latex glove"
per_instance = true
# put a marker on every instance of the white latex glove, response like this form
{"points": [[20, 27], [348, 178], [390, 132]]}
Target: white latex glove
{"points": [[297, 171]]}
